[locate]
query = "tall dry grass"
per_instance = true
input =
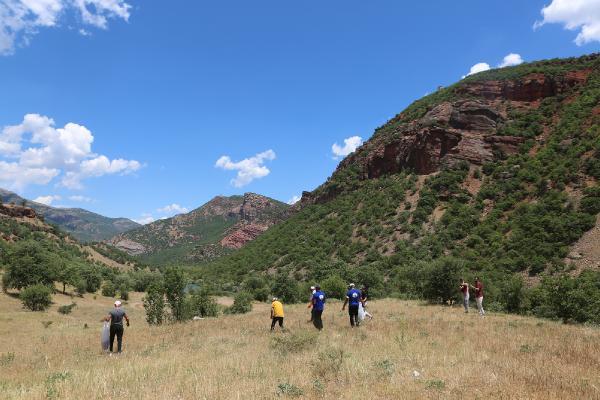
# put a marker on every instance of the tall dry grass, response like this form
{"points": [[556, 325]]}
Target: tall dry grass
{"points": [[456, 356]]}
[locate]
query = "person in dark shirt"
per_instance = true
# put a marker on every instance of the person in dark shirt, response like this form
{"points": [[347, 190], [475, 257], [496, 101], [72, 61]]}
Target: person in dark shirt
{"points": [[115, 317], [353, 299], [318, 302]]}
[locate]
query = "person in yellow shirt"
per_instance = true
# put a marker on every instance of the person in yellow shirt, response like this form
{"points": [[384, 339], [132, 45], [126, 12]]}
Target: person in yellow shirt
{"points": [[276, 313]]}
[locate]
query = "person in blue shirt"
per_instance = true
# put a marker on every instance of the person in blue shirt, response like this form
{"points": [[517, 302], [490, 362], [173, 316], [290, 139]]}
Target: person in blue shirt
{"points": [[353, 299], [318, 301]]}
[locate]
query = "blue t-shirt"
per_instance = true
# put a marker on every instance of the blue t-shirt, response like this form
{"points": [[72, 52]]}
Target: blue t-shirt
{"points": [[319, 298], [353, 297]]}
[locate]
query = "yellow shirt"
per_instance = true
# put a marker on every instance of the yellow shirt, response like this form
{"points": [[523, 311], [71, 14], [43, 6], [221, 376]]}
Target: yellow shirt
{"points": [[277, 308]]}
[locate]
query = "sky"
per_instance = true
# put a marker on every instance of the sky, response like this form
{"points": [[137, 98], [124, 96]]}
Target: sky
{"points": [[146, 109]]}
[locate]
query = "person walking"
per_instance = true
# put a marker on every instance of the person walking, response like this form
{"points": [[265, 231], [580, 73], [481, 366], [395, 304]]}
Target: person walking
{"points": [[115, 317], [479, 295], [464, 288], [276, 314], [353, 300], [364, 295], [310, 304], [318, 305]]}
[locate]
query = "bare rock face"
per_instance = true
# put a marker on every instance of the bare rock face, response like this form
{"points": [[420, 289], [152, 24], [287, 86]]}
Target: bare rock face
{"points": [[244, 233], [17, 211], [128, 246]]}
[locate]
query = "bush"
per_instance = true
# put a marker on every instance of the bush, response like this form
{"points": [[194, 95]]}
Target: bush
{"points": [[441, 280], [295, 342], [67, 308], [154, 304], [36, 297], [200, 304], [286, 289], [334, 287], [175, 283], [124, 293], [241, 304], [108, 289]]}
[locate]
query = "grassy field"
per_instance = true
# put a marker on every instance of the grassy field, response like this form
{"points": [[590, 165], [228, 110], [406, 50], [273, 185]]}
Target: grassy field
{"points": [[456, 356]]}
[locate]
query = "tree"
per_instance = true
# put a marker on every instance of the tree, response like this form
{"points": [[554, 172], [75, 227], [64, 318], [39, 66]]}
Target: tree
{"points": [[242, 303], [334, 287], [200, 304], [286, 289], [175, 282], [92, 278], [109, 289], [154, 304], [37, 297], [441, 279], [29, 263]]}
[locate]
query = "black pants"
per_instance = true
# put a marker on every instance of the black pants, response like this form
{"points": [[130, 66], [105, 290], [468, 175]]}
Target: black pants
{"points": [[275, 320], [317, 321], [353, 311], [312, 314], [116, 330]]}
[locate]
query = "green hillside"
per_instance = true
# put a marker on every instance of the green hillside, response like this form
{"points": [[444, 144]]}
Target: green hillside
{"points": [[84, 225], [494, 176], [210, 231]]}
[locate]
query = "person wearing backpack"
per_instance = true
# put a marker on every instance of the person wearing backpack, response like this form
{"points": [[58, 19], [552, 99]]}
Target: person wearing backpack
{"points": [[318, 302]]}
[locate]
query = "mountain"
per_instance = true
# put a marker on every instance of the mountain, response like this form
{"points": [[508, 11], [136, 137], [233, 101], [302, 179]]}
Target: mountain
{"points": [[84, 225], [496, 175], [20, 224], [222, 224]]}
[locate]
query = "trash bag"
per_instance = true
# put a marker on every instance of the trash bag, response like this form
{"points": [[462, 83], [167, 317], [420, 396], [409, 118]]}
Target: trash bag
{"points": [[361, 313], [105, 336]]}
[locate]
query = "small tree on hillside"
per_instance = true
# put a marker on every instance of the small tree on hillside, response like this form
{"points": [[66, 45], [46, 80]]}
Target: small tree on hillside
{"points": [[154, 304], [174, 290], [286, 289], [334, 287]]}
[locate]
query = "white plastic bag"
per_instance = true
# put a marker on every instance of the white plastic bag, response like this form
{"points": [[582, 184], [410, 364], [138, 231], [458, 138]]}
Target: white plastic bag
{"points": [[105, 336], [361, 313]]}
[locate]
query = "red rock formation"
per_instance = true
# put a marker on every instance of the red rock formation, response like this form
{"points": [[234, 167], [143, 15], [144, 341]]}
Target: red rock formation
{"points": [[242, 234]]}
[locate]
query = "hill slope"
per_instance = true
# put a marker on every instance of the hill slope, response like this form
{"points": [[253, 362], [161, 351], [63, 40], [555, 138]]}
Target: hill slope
{"points": [[222, 224], [84, 225], [496, 175]]}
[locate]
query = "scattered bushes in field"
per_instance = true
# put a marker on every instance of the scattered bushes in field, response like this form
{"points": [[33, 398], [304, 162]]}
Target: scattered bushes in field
{"points": [[67, 308], [242, 303]]}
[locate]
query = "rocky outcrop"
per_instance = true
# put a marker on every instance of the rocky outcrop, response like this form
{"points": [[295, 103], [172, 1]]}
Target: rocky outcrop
{"points": [[242, 234], [129, 246], [17, 211]]}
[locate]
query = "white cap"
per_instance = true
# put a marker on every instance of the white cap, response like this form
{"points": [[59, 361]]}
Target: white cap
{"points": [[351, 285], [274, 298], [312, 288], [117, 303]]}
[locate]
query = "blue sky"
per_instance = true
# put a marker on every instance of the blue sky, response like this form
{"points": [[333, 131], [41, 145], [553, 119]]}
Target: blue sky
{"points": [[127, 107]]}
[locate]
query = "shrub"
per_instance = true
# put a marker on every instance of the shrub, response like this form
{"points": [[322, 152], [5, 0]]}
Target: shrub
{"points": [[36, 297], [441, 280], [175, 283], [108, 289], [67, 308], [295, 342], [334, 287], [154, 304], [123, 293], [200, 304], [286, 289], [242, 303]]}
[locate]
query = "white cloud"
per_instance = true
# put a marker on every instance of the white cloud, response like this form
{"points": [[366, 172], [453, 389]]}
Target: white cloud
{"points": [[81, 199], [582, 15], [350, 145], [479, 67], [35, 152], [172, 209], [510, 60], [248, 169], [20, 20], [294, 199], [145, 219], [47, 200]]}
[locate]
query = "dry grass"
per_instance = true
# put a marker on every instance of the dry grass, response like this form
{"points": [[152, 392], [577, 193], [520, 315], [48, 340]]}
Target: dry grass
{"points": [[235, 357]]}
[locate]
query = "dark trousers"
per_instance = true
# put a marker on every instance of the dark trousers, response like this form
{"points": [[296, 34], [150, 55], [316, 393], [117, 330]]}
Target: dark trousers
{"points": [[116, 330], [317, 321], [353, 311], [312, 314], [275, 320]]}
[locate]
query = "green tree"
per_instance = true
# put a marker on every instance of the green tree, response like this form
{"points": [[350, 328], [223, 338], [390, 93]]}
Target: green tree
{"points": [[175, 283], [441, 279], [108, 289], [286, 289], [242, 303], [334, 287], [37, 297], [154, 304], [29, 263]]}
